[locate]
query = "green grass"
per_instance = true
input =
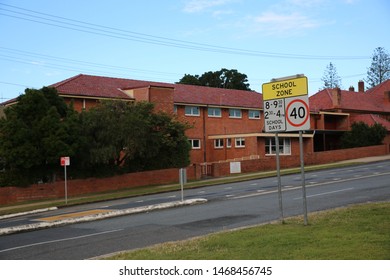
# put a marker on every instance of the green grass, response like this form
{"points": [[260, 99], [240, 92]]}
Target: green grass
{"points": [[358, 232]]}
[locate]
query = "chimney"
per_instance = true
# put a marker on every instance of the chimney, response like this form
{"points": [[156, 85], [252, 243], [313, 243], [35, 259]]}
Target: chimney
{"points": [[336, 97], [351, 88], [361, 86]]}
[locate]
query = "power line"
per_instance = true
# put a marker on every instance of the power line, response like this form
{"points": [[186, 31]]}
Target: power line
{"points": [[101, 30], [74, 62]]}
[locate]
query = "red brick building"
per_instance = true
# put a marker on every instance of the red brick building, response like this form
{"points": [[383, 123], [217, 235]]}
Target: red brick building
{"points": [[334, 110], [228, 124]]}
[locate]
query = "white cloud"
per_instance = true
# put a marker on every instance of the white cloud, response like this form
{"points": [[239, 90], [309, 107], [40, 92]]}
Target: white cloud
{"points": [[283, 22], [195, 6]]}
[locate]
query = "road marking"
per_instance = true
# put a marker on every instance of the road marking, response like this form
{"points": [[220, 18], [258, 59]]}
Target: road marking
{"points": [[254, 184], [313, 185], [139, 201], [60, 240], [325, 193], [228, 188]]}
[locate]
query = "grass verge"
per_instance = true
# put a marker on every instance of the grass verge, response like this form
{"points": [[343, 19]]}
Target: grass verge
{"points": [[360, 232]]}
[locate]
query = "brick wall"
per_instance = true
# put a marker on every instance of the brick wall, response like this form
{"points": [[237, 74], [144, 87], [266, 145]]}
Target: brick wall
{"points": [[9, 195], [269, 162]]}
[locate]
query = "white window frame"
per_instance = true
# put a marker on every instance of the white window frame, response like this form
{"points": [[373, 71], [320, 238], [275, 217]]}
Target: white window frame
{"points": [[239, 142], [254, 114], [192, 111], [218, 143], [228, 142], [214, 112], [284, 146], [235, 113], [193, 146]]}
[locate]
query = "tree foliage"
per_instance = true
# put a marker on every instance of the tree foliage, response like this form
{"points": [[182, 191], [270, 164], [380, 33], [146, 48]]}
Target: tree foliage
{"points": [[114, 137], [331, 79], [133, 137], [362, 135], [34, 135], [379, 71], [224, 78]]}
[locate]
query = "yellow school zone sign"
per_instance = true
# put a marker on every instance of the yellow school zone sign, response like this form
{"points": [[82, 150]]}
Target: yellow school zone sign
{"points": [[286, 88]]}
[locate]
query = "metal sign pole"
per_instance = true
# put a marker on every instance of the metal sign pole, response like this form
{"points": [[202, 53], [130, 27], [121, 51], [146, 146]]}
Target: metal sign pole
{"points": [[279, 179], [66, 186], [303, 177], [183, 180]]}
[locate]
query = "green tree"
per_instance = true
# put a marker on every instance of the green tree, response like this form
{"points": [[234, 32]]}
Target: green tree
{"points": [[33, 136], [362, 135], [224, 78], [132, 137], [331, 79], [379, 71], [190, 80]]}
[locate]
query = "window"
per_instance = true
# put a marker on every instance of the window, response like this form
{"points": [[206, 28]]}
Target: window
{"points": [[175, 109], [254, 114], [214, 112], [192, 111], [228, 142], [195, 144], [240, 142], [218, 143], [284, 146], [235, 113]]}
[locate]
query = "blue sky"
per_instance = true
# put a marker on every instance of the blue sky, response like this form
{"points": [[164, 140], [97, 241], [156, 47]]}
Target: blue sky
{"points": [[45, 41]]}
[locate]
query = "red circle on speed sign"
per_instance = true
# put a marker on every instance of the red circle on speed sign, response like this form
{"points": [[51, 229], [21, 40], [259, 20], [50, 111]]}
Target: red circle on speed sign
{"points": [[298, 113]]}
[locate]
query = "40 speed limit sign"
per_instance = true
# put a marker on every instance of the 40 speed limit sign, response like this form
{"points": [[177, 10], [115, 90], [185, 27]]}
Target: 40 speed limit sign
{"points": [[286, 104], [297, 113]]}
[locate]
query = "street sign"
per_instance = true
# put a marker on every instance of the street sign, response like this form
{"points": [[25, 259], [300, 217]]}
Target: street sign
{"points": [[285, 87], [65, 161], [286, 108], [285, 104], [297, 113]]}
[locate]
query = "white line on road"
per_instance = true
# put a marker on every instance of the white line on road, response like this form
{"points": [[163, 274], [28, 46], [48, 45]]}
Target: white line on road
{"points": [[325, 193], [312, 185], [60, 240]]}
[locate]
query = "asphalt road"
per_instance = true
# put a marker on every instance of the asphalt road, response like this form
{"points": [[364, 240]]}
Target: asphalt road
{"points": [[229, 206]]}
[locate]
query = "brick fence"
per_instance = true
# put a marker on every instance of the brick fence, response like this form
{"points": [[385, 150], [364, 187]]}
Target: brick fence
{"points": [[9, 195], [269, 162], [78, 187]]}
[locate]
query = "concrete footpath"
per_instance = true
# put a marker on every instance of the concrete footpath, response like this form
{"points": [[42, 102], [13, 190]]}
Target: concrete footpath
{"points": [[115, 213]]}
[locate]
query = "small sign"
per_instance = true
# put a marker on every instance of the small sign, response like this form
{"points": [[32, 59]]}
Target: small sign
{"points": [[65, 161], [235, 167]]}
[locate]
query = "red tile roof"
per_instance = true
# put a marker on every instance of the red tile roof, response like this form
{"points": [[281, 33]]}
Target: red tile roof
{"points": [[106, 87], [370, 101], [371, 119], [380, 89]]}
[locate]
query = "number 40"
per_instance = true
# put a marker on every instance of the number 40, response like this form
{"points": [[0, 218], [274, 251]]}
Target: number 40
{"points": [[298, 112]]}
